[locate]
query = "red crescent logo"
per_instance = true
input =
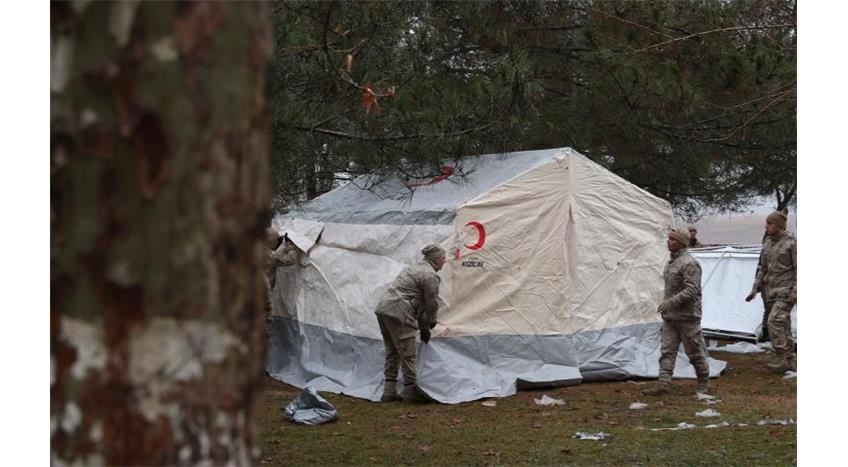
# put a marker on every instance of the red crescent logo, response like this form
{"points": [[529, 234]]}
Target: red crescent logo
{"points": [[481, 235]]}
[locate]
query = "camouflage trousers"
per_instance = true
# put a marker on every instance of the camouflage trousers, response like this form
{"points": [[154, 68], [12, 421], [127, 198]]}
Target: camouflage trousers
{"points": [[399, 341], [689, 334], [780, 330], [766, 311]]}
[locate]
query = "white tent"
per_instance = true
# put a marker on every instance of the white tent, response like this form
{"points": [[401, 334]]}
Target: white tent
{"points": [[727, 276], [553, 277]]}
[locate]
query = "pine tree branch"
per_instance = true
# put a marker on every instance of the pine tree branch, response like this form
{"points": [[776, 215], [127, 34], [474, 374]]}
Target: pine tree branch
{"points": [[626, 21], [715, 31], [564, 27], [341, 134], [773, 102]]}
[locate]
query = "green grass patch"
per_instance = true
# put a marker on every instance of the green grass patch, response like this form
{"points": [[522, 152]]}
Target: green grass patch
{"points": [[517, 431]]}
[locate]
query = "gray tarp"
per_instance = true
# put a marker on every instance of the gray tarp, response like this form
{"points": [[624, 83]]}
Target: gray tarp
{"points": [[454, 370], [309, 408]]}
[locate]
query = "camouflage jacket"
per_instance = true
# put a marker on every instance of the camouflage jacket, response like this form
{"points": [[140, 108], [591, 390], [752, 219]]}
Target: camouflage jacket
{"points": [[411, 297], [778, 268], [285, 255], [682, 276]]}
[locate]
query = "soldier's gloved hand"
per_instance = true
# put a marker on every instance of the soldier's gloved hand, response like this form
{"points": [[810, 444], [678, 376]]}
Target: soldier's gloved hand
{"points": [[425, 335], [751, 296], [664, 307]]}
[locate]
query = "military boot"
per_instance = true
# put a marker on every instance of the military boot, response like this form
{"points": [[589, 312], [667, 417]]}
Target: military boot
{"points": [[411, 394], [777, 364], [789, 363], [703, 384], [390, 393], [663, 387]]}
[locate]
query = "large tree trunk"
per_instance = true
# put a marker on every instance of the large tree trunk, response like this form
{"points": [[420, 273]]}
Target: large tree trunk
{"points": [[159, 194]]}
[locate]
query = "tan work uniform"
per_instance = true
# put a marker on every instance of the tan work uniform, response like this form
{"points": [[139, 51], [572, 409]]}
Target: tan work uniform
{"points": [[682, 321], [286, 255], [777, 281], [409, 302]]}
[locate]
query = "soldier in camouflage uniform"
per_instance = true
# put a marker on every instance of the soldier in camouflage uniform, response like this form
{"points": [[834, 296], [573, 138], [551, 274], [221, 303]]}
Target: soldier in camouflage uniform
{"points": [[777, 281], [279, 252], [681, 314], [693, 238], [409, 306], [764, 337]]}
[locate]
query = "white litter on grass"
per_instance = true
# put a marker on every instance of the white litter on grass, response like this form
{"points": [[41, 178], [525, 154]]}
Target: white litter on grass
{"points": [[585, 435], [790, 374], [708, 413], [489, 403], [718, 425], [704, 397], [771, 421], [638, 406], [736, 347], [740, 424], [545, 400], [712, 401], [680, 426]]}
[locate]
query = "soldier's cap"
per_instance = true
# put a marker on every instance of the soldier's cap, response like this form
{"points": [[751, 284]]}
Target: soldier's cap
{"points": [[777, 218], [433, 251], [681, 235]]}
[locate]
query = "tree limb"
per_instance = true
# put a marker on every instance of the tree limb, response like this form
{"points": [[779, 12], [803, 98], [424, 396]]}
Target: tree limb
{"points": [[714, 31], [341, 134]]}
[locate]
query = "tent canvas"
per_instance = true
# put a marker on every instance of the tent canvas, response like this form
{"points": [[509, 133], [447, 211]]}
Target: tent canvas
{"points": [[727, 276], [553, 277]]}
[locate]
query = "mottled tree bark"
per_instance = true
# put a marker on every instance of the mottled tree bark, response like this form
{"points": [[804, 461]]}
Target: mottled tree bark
{"points": [[159, 194]]}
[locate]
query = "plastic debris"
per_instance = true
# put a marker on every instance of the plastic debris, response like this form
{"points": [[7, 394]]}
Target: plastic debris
{"points": [[309, 408], [736, 347], [704, 397], [708, 413], [489, 403], [680, 426], [585, 435], [545, 400], [790, 374], [638, 406], [718, 425], [771, 421], [712, 401]]}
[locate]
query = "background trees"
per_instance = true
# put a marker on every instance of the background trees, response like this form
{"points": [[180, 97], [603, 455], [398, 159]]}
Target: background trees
{"points": [[158, 161], [693, 100]]}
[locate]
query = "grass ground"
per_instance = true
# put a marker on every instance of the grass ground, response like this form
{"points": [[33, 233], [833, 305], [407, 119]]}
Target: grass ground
{"points": [[517, 431]]}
